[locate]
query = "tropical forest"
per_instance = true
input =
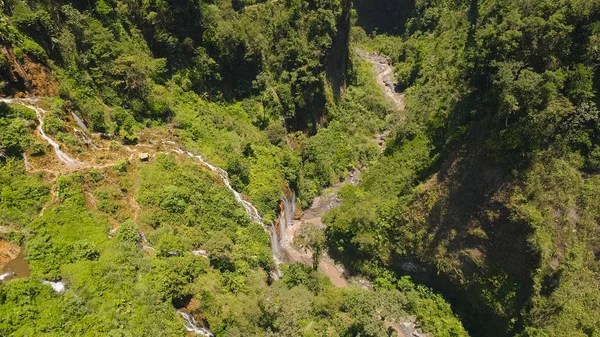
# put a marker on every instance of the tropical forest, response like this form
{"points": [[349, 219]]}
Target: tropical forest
{"points": [[300, 168]]}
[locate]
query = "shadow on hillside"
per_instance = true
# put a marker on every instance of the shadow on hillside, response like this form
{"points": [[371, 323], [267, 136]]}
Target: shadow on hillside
{"points": [[384, 16], [471, 231], [475, 255]]}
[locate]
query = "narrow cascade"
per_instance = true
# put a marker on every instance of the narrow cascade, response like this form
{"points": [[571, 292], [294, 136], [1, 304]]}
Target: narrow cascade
{"points": [[59, 286], [79, 121], [248, 207], [200, 252], [65, 158], [286, 215], [192, 326], [6, 275], [145, 243]]}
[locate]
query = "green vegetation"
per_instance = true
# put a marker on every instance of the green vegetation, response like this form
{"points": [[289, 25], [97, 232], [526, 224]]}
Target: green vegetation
{"points": [[22, 196], [488, 189], [485, 193], [255, 88], [115, 287]]}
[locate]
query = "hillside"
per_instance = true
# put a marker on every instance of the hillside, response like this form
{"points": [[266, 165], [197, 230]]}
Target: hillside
{"points": [[488, 193], [300, 168], [147, 150]]}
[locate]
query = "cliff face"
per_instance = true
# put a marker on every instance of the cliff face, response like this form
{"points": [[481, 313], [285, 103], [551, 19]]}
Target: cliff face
{"points": [[312, 110], [338, 59], [384, 16]]}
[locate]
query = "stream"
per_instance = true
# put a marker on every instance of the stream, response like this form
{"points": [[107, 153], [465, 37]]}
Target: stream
{"points": [[329, 198], [250, 210], [39, 112], [192, 326], [79, 121]]}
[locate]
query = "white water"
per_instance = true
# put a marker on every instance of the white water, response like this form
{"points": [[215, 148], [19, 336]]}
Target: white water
{"points": [[59, 286], [6, 275], [286, 216], [145, 243], [79, 121], [85, 138], [192, 326], [65, 158], [250, 209], [200, 252]]}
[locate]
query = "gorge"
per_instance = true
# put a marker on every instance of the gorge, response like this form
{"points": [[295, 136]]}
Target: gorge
{"points": [[299, 168]]}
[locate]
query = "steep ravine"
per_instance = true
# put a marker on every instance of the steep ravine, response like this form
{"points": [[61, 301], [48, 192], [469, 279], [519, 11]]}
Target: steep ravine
{"points": [[282, 237], [329, 199], [290, 226]]}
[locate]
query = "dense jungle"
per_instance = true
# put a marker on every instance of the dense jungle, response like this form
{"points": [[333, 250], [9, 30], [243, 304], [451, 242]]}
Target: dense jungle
{"points": [[410, 168]]}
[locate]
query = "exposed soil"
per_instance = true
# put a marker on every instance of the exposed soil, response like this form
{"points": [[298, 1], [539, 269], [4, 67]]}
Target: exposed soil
{"points": [[8, 251], [17, 267], [26, 74]]}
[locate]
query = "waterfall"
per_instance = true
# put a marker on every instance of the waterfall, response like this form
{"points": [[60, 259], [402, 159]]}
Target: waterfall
{"points": [[192, 326], [59, 286], [248, 207], [79, 121], [85, 138], [6, 275], [145, 243], [286, 215], [65, 158], [200, 252]]}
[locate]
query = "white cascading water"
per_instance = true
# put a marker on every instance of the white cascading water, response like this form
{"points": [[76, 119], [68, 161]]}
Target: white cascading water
{"points": [[59, 286], [250, 209], [6, 275], [145, 243], [286, 216], [79, 121], [200, 252], [83, 133], [63, 157], [192, 326]]}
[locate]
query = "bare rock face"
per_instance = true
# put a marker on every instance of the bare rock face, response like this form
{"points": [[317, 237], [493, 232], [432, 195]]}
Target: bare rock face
{"points": [[144, 156]]}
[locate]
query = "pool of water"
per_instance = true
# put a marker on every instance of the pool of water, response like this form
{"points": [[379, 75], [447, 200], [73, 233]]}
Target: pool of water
{"points": [[16, 268]]}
